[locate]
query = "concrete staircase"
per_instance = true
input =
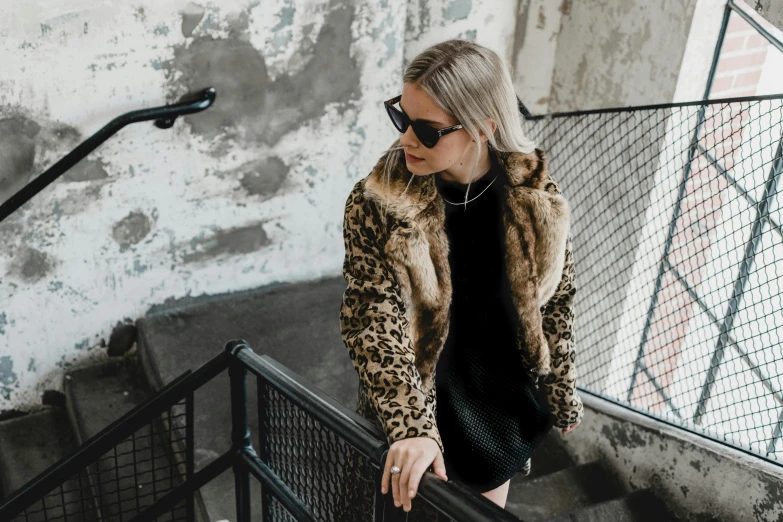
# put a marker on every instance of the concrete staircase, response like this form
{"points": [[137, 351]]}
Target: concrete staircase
{"points": [[298, 326]]}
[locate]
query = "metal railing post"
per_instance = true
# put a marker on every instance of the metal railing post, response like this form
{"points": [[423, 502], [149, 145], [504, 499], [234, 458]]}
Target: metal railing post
{"points": [[240, 431]]}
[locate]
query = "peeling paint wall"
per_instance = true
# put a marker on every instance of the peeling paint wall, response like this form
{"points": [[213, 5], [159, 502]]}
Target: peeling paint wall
{"points": [[246, 193]]}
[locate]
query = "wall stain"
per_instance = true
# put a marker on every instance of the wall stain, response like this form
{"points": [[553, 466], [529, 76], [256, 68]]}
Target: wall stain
{"points": [[8, 379], [250, 107], [262, 177], [192, 14], [30, 265], [130, 230], [621, 435], [86, 170], [3, 323], [541, 18], [421, 19], [17, 153], [457, 10], [243, 240], [161, 30], [520, 30], [762, 509]]}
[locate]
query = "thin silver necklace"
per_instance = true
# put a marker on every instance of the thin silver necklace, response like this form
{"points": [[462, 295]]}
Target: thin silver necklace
{"points": [[476, 197]]}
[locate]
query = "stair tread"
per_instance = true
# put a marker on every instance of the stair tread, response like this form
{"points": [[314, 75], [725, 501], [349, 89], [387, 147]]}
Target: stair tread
{"points": [[549, 457], [639, 506], [140, 468], [30, 444], [288, 322], [104, 392], [560, 492]]}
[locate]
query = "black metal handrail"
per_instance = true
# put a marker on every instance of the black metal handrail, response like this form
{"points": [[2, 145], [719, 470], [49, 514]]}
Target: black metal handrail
{"points": [[453, 499], [164, 117]]}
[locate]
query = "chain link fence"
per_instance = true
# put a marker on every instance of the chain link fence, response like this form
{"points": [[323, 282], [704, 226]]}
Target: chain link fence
{"points": [[676, 224]]}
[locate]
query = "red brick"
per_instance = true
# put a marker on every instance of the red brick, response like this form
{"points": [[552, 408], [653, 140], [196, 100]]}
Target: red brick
{"points": [[742, 61], [735, 43], [755, 41], [722, 84], [749, 79], [737, 24]]}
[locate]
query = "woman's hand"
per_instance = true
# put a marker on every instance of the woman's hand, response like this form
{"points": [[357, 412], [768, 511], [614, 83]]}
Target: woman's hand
{"points": [[571, 427], [413, 456]]}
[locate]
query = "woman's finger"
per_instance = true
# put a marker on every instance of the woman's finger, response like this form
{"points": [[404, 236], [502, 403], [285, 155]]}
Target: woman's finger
{"points": [[395, 480], [417, 471], [404, 479], [385, 478]]}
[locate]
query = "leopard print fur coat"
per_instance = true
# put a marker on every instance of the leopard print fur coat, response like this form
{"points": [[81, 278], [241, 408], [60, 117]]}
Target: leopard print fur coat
{"points": [[394, 315]]}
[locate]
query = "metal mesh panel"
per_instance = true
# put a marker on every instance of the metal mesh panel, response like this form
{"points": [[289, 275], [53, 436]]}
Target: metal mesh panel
{"points": [[123, 481], [333, 479], [676, 226]]}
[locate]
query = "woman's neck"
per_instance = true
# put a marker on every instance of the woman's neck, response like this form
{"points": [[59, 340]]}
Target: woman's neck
{"points": [[463, 177]]}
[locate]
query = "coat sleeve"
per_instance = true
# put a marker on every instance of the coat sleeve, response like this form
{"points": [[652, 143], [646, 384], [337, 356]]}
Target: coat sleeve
{"points": [[373, 328], [558, 324]]}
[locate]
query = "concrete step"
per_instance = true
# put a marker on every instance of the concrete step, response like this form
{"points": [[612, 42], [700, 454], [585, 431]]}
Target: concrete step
{"points": [[29, 445], [549, 457], [139, 469], [639, 506], [296, 324], [561, 492]]}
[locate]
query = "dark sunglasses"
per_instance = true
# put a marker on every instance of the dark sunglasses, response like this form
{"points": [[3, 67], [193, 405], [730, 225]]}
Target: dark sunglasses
{"points": [[427, 135]]}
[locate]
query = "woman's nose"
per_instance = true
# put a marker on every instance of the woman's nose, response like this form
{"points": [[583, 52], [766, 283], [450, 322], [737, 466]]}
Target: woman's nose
{"points": [[408, 138]]}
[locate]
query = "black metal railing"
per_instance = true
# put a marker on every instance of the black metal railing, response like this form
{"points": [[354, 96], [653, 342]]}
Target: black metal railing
{"points": [[676, 225], [164, 117], [315, 459]]}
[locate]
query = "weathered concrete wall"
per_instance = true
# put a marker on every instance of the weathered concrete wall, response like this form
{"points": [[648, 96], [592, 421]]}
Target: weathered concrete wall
{"points": [[534, 51], [772, 10], [687, 471], [245, 193], [616, 54]]}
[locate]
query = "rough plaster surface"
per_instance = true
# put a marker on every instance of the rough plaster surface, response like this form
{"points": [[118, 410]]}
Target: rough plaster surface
{"points": [[687, 471], [243, 194], [771, 10], [535, 42], [616, 54]]}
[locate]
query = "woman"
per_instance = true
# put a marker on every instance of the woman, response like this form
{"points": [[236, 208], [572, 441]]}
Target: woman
{"points": [[458, 312]]}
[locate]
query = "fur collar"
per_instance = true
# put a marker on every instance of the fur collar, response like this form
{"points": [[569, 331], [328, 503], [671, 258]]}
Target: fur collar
{"points": [[536, 219]]}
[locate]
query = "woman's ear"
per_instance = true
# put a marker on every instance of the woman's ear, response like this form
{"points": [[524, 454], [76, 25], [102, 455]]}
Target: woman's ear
{"points": [[492, 125]]}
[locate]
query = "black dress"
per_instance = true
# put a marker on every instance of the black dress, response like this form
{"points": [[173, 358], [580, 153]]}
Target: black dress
{"points": [[490, 414]]}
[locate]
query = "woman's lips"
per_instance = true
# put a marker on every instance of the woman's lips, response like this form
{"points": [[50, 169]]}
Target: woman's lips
{"points": [[412, 159]]}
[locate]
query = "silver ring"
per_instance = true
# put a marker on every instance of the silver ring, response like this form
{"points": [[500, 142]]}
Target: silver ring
{"points": [[394, 470]]}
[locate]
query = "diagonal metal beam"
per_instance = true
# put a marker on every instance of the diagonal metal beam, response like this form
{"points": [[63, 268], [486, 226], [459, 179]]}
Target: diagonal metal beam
{"points": [[770, 190]]}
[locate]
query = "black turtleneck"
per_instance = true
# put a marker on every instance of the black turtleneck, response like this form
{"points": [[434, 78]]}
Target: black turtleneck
{"points": [[490, 416]]}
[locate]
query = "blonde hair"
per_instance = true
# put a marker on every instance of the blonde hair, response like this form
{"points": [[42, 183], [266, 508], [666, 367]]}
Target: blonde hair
{"points": [[469, 82]]}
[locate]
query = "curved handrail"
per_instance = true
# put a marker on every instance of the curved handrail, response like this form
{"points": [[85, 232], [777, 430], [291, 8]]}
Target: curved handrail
{"points": [[164, 117]]}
